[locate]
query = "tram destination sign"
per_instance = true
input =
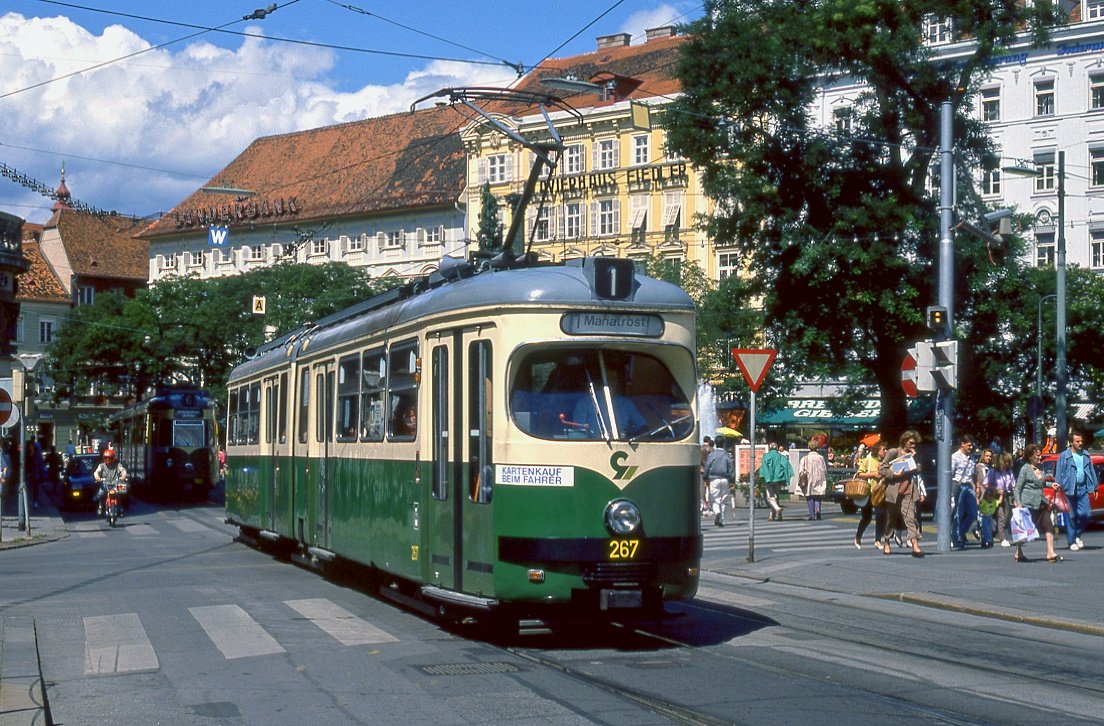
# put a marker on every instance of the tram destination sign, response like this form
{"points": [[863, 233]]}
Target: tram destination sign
{"points": [[639, 325]]}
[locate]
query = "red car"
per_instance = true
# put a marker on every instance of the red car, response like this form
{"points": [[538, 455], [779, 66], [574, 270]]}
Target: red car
{"points": [[1096, 497]]}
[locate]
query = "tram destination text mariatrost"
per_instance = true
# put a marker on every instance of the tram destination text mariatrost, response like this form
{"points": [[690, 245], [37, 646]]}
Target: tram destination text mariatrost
{"points": [[549, 476]]}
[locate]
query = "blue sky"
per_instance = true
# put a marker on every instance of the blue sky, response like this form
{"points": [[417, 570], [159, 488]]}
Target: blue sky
{"points": [[138, 135]]}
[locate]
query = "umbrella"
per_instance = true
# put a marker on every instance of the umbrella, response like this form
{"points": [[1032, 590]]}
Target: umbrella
{"points": [[870, 439], [729, 433], [818, 440], [1099, 432]]}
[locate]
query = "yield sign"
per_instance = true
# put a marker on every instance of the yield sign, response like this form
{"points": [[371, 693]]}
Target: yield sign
{"points": [[754, 363]]}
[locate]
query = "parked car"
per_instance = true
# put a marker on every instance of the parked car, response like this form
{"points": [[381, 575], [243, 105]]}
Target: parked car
{"points": [[1096, 497], [78, 488]]}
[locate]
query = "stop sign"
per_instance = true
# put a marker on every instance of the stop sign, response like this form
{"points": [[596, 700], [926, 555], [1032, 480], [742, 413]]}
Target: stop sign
{"points": [[908, 376], [9, 414]]}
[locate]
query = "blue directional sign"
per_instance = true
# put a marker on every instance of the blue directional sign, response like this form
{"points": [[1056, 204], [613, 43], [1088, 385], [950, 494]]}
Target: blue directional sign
{"points": [[218, 236]]}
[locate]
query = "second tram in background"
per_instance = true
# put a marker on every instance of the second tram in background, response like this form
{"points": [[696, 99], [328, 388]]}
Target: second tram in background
{"points": [[168, 443]]}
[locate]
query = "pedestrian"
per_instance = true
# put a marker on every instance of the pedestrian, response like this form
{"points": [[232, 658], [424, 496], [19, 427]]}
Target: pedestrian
{"points": [[868, 471], [36, 470], [1029, 494], [899, 469], [53, 468], [706, 447], [718, 472], [986, 497], [812, 479], [1001, 479], [775, 471], [981, 472], [965, 498], [1077, 477]]}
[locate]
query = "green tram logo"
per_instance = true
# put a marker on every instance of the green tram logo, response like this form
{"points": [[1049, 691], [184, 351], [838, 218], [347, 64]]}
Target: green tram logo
{"points": [[621, 471]]}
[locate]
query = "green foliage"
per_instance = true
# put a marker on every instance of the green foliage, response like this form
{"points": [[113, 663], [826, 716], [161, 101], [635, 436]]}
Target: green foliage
{"points": [[489, 235], [837, 229], [187, 328]]}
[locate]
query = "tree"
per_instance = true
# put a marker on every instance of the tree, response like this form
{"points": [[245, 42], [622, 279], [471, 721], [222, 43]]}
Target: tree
{"points": [[838, 230], [489, 235]]}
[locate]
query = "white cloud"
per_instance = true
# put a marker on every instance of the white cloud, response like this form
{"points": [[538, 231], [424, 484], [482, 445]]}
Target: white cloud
{"points": [[659, 16], [186, 110]]}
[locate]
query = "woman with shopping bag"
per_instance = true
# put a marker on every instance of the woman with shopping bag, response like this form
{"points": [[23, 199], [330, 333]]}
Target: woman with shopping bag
{"points": [[1029, 496]]}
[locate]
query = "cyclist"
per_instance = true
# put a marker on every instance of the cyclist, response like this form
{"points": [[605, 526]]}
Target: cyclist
{"points": [[109, 473]]}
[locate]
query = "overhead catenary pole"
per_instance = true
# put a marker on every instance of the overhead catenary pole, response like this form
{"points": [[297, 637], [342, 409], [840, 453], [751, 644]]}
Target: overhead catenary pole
{"points": [[944, 398], [1062, 425]]}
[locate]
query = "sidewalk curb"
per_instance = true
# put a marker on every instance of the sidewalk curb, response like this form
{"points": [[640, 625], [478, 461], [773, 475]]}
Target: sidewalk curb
{"points": [[22, 700], [951, 604]]}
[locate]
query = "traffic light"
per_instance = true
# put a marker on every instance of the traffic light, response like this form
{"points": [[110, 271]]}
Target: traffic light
{"points": [[937, 365], [937, 318]]}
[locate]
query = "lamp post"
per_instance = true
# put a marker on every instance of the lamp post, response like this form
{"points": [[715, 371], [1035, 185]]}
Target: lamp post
{"points": [[1061, 373], [29, 361], [1039, 369]]}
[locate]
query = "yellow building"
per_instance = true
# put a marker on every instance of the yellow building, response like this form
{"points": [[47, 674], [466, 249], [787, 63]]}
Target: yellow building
{"points": [[617, 191]]}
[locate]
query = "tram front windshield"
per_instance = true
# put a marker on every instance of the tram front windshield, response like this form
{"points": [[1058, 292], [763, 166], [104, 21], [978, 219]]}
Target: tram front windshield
{"points": [[612, 395]]}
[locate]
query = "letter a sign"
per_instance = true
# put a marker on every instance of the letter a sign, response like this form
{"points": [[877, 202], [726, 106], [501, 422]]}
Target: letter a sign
{"points": [[754, 363], [258, 304]]}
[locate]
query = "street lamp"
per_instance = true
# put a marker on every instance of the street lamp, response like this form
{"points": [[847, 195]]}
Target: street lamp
{"points": [[1037, 411], [1061, 374]]}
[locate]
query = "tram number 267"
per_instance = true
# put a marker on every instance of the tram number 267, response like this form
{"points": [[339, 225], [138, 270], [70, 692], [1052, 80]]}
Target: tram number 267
{"points": [[623, 549]]}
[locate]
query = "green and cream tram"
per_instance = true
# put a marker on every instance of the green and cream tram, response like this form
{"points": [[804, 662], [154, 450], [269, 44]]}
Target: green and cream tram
{"points": [[514, 440]]}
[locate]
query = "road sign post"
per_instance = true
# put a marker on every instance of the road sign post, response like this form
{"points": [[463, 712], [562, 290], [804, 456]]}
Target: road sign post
{"points": [[754, 364]]}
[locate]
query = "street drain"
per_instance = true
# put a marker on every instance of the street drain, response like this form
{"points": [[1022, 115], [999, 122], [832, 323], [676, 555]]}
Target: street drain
{"points": [[468, 669]]}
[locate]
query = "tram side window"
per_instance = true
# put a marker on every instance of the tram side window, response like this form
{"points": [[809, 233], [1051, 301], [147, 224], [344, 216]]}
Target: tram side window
{"points": [[269, 413], [253, 415], [402, 391], [348, 397], [281, 403], [232, 417], [372, 388], [480, 411], [304, 405]]}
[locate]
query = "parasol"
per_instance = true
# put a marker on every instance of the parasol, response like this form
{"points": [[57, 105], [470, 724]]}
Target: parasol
{"points": [[729, 433], [818, 440], [870, 439]]}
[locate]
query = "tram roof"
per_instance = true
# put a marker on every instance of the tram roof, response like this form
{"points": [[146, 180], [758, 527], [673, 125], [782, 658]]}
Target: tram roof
{"points": [[566, 285]]}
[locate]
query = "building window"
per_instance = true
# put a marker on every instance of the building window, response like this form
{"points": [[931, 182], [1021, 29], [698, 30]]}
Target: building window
{"points": [[1046, 181], [607, 154], [498, 169], [990, 104], [1096, 249], [938, 30], [19, 329], [257, 253], [573, 220], [318, 247], [432, 235], [1044, 98], [542, 225], [671, 153], [46, 329], [727, 264], [607, 217], [1094, 9], [1096, 161], [1044, 250], [672, 210], [1096, 92], [355, 244], [638, 212], [86, 295], [640, 150], [225, 257], [195, 259], [842, 120], [572, 162], [991, 182]]}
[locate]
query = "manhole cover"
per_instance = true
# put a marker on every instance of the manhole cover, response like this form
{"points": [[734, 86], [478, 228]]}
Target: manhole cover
{"points": [[468, 669]]}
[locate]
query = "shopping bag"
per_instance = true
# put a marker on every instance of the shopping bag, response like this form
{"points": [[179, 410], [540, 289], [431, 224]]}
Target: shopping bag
{"points": [[1023, 526], [1058, 500]]}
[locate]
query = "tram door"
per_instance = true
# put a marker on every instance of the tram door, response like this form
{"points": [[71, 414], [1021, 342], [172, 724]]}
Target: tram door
{"points": [[318, 494], [460, 534], [276, 435]]}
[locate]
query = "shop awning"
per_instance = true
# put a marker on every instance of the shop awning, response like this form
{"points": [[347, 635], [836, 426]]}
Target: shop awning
{"points": [[817, 412]]}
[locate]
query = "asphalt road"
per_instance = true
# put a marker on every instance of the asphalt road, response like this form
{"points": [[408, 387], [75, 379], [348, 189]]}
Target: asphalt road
{"points": [[168, 620]]}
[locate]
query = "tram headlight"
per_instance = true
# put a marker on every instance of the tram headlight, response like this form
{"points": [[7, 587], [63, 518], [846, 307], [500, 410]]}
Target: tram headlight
{"points": [[622, 517]]}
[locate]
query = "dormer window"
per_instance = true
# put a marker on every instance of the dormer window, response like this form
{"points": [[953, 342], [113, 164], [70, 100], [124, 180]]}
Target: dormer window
{"points": [[937, 30]]}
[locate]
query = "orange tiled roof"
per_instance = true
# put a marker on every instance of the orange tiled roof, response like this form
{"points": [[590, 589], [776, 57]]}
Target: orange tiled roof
{"points": [[38, 282], [102, 246], [391, 163], [653, 63]]}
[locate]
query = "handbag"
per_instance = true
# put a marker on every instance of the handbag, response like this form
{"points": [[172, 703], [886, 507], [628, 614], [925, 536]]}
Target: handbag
{"points": [[1058, 500], [803, 482], [1023, 526], [892, 492], [988, 504], [877, 493], [856, 488]]}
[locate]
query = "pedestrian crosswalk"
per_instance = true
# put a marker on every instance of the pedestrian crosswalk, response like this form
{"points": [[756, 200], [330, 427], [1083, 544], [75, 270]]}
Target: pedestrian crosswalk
{"points": [[796, 535], [208, 523], [120, 643]]}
